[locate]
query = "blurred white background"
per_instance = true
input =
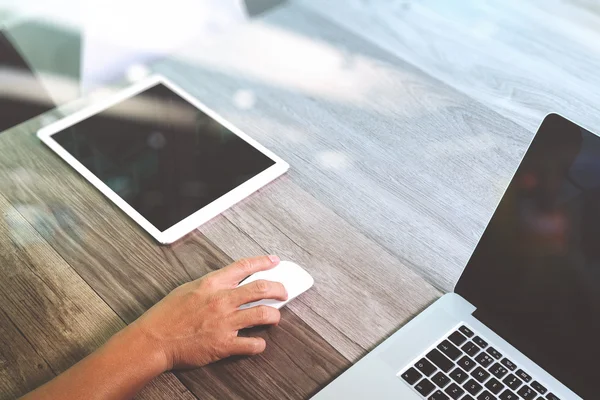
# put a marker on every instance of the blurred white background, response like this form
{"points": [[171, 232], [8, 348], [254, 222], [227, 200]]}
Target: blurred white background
{"points": [[91, 42]]}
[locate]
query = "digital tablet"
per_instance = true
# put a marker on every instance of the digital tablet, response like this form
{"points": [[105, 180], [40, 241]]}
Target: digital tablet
{"points": [[164, 158]]}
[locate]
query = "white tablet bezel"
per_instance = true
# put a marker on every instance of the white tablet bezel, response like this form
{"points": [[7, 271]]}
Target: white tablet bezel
{"points": [[196, 219]]}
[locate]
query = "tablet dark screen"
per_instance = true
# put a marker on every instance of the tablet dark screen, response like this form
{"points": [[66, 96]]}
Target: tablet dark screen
{"points": [[162, 155]]}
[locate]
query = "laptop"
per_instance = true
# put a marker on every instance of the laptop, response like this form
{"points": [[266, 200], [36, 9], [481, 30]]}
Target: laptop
{"points": [[524, 319]]}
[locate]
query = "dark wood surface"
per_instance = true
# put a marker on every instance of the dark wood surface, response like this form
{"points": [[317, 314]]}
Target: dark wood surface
{"points": [[402, 121], [50, 317]]}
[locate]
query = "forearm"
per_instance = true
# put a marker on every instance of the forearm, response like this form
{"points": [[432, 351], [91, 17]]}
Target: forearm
{"points": [[118, 370]]}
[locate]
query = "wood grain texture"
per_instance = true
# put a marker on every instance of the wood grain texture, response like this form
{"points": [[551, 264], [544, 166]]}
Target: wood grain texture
{"points": [[411, 163], [524, 59], [354, 303], [22, 369], [403, 122], [289, 369], [53, 318], [130, 272]]}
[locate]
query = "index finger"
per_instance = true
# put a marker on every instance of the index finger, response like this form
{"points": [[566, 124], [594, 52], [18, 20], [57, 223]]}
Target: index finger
{"points": [[241, 269]]}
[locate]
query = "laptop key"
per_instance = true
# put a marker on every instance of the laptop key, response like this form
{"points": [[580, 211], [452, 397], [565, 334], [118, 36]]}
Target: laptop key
{"points": [[552, 396], [424, 387], [459, 375], [538, 387], [494, 386], [473, 387], [438, 395], [527, 393], [466, 331], [486, 396], [411, 376], [467, 397], [512, 382], [454, 391], [484, 359], [523, 375], [440, 360], [480, 374], [494, 353], [466, 363], [449, 350], [471, 349], [425, 367], [508, 395], [480, 342], [440, 379], [498, 371], [457, 338], [508, 364]]}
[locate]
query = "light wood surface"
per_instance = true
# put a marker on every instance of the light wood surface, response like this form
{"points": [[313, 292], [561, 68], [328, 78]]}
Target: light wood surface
{"points": [[524, 59], [403, 122]]}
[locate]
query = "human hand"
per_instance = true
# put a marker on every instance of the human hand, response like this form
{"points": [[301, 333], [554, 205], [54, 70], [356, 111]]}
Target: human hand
{"points": [[198, 322]]}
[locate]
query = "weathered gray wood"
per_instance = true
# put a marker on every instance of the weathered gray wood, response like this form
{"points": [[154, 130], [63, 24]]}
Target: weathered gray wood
{"points": [[411, 163], [50, 317], [524, 59]]}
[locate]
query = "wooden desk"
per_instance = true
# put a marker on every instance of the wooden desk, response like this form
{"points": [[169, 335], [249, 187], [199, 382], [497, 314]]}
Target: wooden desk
{"points": [[394, 174]]}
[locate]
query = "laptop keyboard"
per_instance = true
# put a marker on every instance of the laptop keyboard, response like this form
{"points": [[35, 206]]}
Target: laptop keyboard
{"points": [[464, 366]]}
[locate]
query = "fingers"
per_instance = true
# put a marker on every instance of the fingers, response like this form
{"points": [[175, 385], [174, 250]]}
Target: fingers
{"points": [[256, 316], [248, 346], [258, 290], [241, 269]]}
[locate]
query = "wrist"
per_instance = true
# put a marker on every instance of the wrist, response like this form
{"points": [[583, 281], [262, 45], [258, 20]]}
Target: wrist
{"points": [[140, 347]]}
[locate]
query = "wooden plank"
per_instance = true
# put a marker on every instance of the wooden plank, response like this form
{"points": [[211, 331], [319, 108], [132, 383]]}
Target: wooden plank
{"points": [[484, 50], [411, 163], [131, 272], [53, 318], [21, 367]]}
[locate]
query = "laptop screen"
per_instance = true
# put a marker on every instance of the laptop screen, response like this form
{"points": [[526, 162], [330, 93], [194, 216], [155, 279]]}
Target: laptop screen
{"points": [[535, 275]]}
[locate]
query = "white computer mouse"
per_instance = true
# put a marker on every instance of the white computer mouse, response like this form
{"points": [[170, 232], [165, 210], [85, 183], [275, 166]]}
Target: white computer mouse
{"points": [[293, 277]]}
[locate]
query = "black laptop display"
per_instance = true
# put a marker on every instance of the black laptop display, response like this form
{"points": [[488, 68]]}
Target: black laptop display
{"points": [[535, 274]]}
